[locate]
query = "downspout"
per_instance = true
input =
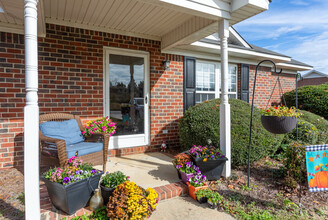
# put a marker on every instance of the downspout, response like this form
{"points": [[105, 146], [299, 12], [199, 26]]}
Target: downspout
{"points": [[31, 114]]}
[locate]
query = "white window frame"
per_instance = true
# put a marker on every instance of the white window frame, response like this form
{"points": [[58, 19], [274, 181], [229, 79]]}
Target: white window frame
{"points": [[135, 140], [217, 78]]}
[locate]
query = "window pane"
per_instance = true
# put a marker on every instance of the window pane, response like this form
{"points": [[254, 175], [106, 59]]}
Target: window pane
{"points": [[232, 96], [205, 77]]}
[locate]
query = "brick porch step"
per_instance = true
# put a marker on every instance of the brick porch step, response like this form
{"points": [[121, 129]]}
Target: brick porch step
{"points": [[48, 212]]}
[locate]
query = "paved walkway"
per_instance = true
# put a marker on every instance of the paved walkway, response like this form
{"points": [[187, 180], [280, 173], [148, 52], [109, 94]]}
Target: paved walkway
{"points": [[147, 170], [180, 208]]}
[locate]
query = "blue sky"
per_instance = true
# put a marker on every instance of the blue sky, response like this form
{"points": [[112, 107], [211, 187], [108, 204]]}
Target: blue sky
{"points": [[297, 28]]}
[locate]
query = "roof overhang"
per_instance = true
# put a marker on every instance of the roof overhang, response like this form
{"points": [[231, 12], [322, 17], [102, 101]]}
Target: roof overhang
{"points": [[169, 21]]}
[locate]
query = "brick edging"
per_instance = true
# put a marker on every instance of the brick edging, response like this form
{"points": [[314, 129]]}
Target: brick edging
{"points": [[171, 190]]}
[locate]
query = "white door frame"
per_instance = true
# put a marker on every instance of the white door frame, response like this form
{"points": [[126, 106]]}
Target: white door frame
{"points": [[122, 141]]}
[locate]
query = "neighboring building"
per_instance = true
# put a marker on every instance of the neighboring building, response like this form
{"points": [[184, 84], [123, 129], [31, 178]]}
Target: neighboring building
{"points": [[313, 77], [98, 59]]}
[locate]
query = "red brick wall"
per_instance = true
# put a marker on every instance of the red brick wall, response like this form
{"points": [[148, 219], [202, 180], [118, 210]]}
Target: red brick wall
{"points": [[265, 83], [71, 81], [312, 81]]}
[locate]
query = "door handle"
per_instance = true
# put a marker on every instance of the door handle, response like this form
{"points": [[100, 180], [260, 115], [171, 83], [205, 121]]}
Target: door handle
{"points": [[146, 100]]}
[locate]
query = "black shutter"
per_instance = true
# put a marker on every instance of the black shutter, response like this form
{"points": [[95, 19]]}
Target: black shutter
{"points": [[189, 82], [244, 84]]}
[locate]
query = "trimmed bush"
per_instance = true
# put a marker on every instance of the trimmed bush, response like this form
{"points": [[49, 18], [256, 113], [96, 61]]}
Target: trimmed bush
{"points": [[310, 98], [320, 123], [307, 134], [201, 123]]}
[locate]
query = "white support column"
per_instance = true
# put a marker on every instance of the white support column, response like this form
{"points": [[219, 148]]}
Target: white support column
{"points": [[225, 121], [31, 114]]}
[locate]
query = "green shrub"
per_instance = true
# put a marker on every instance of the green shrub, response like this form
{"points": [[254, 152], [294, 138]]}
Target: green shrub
{"points": [[320, 123], [307, 134], [310, 98], [294, 165], [201, 123]]}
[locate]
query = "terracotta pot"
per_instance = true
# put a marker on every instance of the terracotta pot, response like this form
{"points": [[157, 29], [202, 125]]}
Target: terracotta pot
{"points": [[192, 190]]}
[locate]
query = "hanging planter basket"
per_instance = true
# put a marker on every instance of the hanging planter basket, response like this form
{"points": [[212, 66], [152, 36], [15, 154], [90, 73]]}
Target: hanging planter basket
{"points": [[278, 125]]}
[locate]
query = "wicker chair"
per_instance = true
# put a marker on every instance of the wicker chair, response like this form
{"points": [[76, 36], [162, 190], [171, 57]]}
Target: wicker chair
{"points": [[60, 158]]}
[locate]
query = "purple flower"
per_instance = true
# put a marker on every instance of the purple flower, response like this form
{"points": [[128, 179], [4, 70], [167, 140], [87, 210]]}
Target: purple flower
{"points": [[79, 172], [94, 171], [188, 164], [66, 180], [178, 167]]}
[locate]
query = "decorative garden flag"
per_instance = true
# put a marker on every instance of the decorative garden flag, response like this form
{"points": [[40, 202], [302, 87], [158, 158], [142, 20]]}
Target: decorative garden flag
{"points": [[317, 167]]}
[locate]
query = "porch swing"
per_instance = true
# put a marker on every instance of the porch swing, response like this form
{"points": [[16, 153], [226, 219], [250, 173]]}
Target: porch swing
{"points": [[273, 124]]}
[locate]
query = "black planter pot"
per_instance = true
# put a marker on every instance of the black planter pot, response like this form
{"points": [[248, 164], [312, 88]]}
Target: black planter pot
{"points": [[179, 174], [202, 200], [278, 125], [212, 169], [72, 197], [106, 193]]}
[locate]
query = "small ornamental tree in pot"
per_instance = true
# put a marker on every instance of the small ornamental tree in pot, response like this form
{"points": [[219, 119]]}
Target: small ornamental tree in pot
{"points": [[209, 159], [196, 183], [70, 187], [109, 182], [279, 119]]}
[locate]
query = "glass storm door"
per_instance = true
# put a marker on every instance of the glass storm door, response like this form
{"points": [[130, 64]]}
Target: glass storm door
{"points": [[127, 98]]}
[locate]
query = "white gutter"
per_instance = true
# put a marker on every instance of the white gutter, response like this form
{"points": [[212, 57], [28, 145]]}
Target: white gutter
{"points": [[293, 66], [241, 51]]}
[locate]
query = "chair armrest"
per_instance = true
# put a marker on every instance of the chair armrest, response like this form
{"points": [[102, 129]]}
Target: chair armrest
{"points": [[61, 147], [105, 143]]}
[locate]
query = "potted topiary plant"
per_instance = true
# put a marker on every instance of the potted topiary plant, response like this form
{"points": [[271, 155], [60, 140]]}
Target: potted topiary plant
{"points": [[209, 159], [70, 187], [109, 182], [214, 199], [180, 159], [202, 195], [279, 119], [196, 183], [187, 171]]}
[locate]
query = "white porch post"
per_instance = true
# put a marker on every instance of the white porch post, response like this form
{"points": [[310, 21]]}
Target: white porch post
{"points": [[225, 127], [31, 114]]}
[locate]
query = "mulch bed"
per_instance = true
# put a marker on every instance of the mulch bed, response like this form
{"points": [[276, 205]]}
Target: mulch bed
{"points": [[267, 191]]}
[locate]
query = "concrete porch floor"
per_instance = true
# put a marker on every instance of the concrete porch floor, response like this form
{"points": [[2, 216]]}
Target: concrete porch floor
{"points": [[146, 170]]}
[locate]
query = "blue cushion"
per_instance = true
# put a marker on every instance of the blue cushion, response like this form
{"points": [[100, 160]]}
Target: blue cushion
{"points": [[66, 130], [83, 148]]}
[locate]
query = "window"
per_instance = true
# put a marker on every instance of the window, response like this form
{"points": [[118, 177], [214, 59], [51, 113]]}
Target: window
{"points": [[208, 77]]}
